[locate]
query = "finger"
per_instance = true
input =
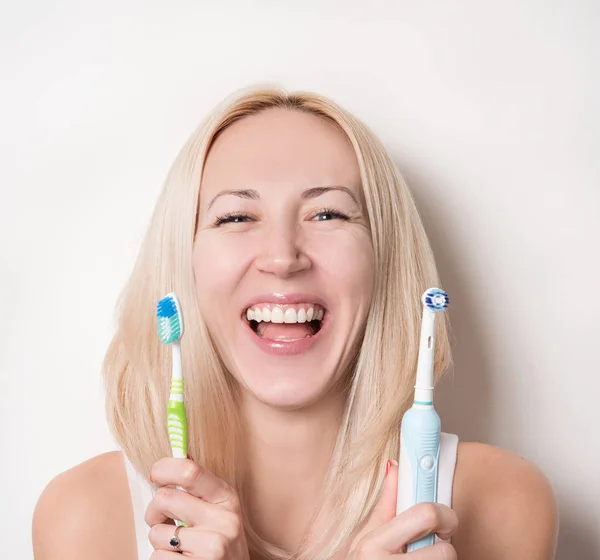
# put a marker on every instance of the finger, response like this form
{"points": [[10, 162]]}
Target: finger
{"points": [[385, 509], [412, 524], [195, 480], [165, 555], [160, 538], [440, 551], [192, 541], [170, 503]]}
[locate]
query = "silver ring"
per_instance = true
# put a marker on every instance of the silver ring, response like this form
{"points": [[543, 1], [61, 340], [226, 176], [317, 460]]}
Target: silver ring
{"points": [[175, 542]]}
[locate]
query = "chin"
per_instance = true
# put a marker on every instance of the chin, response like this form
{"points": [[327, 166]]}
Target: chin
{"points": [[290, 391]]}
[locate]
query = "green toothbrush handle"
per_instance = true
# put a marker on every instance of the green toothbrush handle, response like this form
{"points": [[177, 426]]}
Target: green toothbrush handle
{"points": [[177, 427]]}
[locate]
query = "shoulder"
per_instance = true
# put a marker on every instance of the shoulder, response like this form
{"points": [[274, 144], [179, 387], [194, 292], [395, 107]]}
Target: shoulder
{"points": [[80, 507], [506, 506]]}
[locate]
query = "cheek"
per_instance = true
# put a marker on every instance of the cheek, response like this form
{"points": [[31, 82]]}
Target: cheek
{"points": [[350, 265], [218, 266]]}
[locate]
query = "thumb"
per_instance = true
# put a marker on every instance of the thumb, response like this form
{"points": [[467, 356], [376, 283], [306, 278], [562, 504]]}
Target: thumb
{"points": [[385, 509]]}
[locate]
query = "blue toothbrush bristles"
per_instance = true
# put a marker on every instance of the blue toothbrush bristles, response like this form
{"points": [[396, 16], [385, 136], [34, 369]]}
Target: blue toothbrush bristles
{"points": [[435, 300], [169, 319]]}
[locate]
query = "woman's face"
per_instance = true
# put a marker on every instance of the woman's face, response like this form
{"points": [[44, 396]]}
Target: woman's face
{"points": [[283, 258]]}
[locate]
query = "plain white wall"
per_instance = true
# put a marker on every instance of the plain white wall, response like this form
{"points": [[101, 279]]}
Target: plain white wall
{"points": [[489, 108]]}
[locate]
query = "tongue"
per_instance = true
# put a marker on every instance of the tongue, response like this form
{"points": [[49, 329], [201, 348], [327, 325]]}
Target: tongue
{"points": [[284, 330]]}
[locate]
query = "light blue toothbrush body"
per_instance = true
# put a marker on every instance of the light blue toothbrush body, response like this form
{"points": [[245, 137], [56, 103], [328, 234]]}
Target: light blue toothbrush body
{"points": [[419, 459]]}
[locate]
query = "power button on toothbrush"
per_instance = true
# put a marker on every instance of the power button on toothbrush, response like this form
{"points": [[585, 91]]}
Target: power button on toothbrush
{"points": [[427, 462]]}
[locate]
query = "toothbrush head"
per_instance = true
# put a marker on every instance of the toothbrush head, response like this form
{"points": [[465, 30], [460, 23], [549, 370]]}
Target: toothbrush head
{"points": [[170, 321], [435, 300]]}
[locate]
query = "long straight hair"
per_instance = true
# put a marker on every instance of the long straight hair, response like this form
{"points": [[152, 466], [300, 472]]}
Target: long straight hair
{"points": [[380, 384]]}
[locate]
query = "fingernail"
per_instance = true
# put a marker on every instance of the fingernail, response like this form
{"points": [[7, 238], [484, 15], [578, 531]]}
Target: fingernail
{"points": [[387, 467], [395, 463]]}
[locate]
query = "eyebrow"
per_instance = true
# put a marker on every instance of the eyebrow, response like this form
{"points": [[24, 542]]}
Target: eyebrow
{"points": [[308, 194]]}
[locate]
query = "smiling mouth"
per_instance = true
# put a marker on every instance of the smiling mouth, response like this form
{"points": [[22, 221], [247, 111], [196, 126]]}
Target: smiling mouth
{"points": [[285, 322]]}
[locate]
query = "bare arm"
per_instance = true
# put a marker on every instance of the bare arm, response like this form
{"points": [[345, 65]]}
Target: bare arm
{"points": [[506, 507], [86, 513]]}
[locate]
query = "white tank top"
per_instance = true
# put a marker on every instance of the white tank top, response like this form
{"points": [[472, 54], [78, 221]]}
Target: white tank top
{"points": [[141, 491]]}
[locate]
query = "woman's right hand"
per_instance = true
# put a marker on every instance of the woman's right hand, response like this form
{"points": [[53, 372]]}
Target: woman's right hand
{"points": [[387, 535], [209, 507]]}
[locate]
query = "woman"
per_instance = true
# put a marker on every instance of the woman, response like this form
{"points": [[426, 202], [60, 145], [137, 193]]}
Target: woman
{"points": [[283, 202]]}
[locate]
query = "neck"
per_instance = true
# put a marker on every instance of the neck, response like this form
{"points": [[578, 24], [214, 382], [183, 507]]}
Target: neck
{"points": [[288, 454]]}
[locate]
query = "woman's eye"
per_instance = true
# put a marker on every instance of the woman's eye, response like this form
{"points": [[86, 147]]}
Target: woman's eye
{"points": [[231, 219], [328, 215]]}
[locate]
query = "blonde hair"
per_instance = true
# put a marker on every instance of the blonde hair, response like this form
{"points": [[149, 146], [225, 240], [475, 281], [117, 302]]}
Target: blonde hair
{"points": [[380, 383]]}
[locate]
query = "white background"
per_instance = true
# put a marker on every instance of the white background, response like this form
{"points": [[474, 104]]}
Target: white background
{"points": [[489, 108]]}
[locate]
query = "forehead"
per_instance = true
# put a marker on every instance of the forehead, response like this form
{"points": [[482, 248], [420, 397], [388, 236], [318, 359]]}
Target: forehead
{"points": [[280, 147]]}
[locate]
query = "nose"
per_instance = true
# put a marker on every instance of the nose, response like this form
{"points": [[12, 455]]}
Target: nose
{"points": [[281, 254]]}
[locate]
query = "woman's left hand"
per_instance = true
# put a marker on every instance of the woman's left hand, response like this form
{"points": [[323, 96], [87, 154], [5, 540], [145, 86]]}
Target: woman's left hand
{"points": [[210, 508]]}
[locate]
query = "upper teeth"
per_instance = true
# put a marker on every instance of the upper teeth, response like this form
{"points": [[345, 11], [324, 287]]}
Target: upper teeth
{"points": [[276, 314]]}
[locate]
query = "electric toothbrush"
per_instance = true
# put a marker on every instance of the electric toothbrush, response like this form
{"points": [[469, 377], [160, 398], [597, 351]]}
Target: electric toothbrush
{"points": [[421, 428]]}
